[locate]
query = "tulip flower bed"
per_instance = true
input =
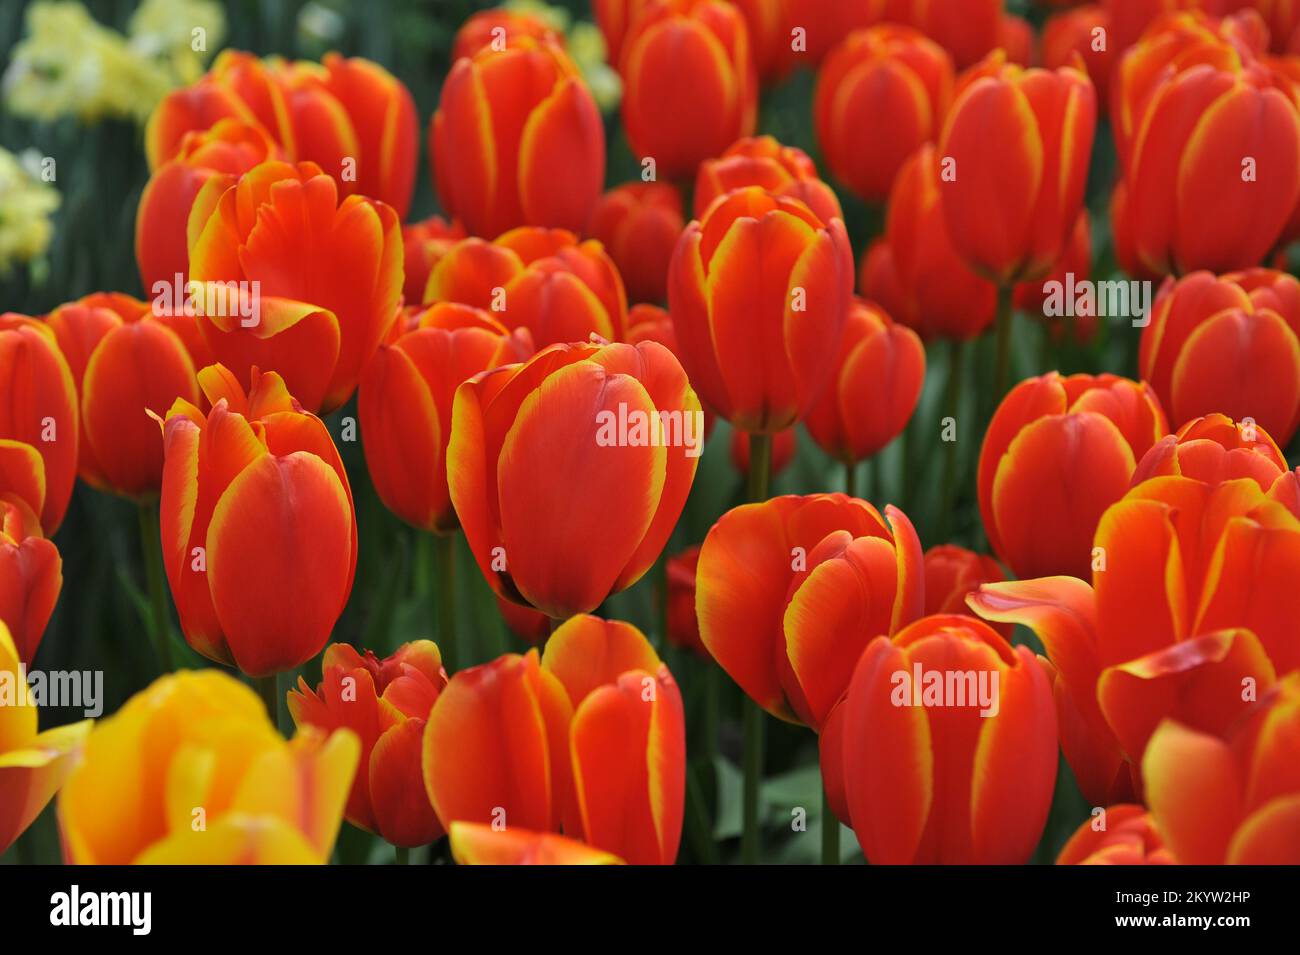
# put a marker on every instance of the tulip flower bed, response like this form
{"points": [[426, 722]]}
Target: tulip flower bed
{"points": [[650, 432]]}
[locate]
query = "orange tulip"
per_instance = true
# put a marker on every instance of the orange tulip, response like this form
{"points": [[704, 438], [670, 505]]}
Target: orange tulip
{"points": [[499, 25], [1214, 138], [517, 140], [948, 746], [689, 84], [874, 389], [627, 740], [544, 280], [915, 272], [351, 117], [473, 843], [759, 292], [1215, 449], [1128, 837], [31, 575], [107, 339], [1014, 162], [191, 771], [683, 627], [38, 412], [1191, 604], [1092, 428], [968, 29], [328, 274], [424, 243], [784, 446], [789, 592], [619, 423], [1229, 345], [495, 748], [881, 94], [1076, 31], [405, 400], [639, 224], [259, 534], [762, 161], [32, 765], [1247, 776], [229, 147], [386, 704], [952, 573]]}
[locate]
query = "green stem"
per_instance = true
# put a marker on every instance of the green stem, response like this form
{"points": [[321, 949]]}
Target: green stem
{"points": [[1006, 310], [754, 726], [402, 855], [448, 645], [851, 478], [760, 476], [151, 543], [830, 833], [268, 690], [904, 470], [956, 376]]}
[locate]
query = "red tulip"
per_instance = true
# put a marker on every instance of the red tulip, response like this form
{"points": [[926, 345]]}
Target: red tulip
{"points": [[639, 224], [544, 280], [517, 140], [31, 572], [790, 591], [1092, 428], [948, 746], [762, 161], [683, 628], [386, 703], [952, 573], [1014, 163], [1127, 836], [823, 23], [1229, 345], [759, 291], [874, 389], [498, 25], [107, 338], [404, 405], [229, 147], [968, 29], [881, 94], [258, 530], [328, 274], [569, 472], [425, 242], [689, 85], [38, 411], [1085, 31], [1214, 449]]}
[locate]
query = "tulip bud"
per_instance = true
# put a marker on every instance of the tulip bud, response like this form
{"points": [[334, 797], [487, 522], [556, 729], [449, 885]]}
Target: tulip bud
{"points": [[31, 574], [874, 388], [948, 747], [258, 530], [779, 170], [1215, 449], [517, 140], [1013, 164], [759, 292], [38, 410], [1093, 429], [545, 280], [618, 421], [1229, 345], [405, 400], [1085, 31], [498, 25], [639, 224], [881, 94], [952, 573], [689, 84], [107, 338], [683, 628], [385, 703], [190, 770], [1127, 836]]}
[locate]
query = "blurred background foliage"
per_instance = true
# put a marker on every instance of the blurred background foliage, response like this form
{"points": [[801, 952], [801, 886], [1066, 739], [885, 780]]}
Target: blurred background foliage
{"points": [[98, 625]]}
